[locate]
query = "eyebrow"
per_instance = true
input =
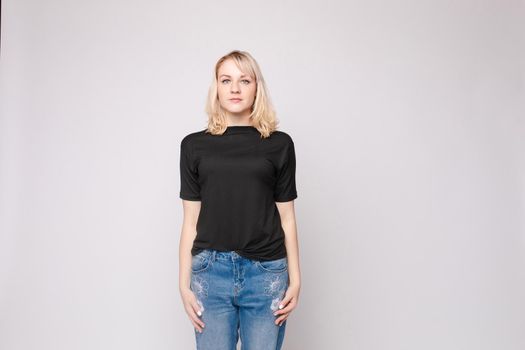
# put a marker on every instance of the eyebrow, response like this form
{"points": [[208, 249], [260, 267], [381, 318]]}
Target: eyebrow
{"points": [[226, 75]]}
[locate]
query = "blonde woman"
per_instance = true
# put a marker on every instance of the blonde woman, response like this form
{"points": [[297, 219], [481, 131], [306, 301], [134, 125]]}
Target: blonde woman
{"points": [[239, 260]]}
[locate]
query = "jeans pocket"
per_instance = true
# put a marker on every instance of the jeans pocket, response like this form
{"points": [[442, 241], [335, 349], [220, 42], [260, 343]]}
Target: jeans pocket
{"points": [[277, 265], [201, 261]]}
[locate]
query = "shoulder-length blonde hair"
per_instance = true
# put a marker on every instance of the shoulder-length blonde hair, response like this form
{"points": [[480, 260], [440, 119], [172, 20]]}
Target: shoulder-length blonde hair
{"points": [[263, 115]]}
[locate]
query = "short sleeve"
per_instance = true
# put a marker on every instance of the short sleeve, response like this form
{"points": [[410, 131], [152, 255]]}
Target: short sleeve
{"points": [[189, 179], [285, 189]]}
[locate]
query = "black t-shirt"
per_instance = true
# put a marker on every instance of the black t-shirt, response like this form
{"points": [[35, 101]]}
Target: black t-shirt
{"points": [[238, 176]]}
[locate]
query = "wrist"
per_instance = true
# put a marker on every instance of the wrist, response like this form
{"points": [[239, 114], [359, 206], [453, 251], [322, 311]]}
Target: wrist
{"points": [[294, 283], [184, 289]]}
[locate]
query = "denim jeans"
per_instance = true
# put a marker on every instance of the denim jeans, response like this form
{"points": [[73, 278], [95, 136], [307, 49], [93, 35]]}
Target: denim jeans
{"points": [[238, 295]]}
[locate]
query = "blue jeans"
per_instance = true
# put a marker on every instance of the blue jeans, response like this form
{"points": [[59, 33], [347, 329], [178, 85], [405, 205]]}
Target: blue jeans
{"points": [[238, 295]]}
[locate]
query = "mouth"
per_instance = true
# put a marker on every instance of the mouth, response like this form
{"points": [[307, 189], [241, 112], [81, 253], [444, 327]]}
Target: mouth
{"points": [[235, 100]]}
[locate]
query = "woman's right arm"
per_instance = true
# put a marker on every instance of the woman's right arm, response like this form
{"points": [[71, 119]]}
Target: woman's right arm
{"points": [[188, 234]]}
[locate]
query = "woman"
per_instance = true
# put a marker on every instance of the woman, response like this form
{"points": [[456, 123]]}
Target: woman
{"points": [[238, 256]]}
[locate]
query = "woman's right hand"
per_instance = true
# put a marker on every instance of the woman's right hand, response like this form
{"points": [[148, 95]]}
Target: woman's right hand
{"points": [[192, 308]]}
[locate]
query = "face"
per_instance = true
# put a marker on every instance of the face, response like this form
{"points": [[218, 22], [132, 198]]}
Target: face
{"points": [[236, 90]]}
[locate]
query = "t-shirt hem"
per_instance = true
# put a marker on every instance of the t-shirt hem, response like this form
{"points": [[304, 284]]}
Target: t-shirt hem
{"points": [[196, 250], [286, 198], [259, 258], [189, 197]]}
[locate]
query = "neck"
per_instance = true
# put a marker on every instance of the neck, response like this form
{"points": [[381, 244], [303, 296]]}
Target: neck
{"points": [[238, 120]]}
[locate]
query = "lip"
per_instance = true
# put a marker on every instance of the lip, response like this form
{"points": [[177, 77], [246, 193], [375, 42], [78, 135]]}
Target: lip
{"points": [[236, 99]]}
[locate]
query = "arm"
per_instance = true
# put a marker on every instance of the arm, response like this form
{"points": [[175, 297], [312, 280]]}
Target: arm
{"points": [[291, 297], [188, 234], [288, 222]]}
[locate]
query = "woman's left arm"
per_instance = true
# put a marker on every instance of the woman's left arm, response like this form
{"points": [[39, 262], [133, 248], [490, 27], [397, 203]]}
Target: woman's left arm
{"points": [[291, 298]]}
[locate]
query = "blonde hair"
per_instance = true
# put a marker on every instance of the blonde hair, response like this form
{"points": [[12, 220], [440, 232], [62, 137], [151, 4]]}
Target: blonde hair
{"points": [[263, 115]]}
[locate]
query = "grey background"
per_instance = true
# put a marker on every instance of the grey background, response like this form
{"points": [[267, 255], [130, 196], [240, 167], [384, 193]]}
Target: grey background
{"points": [[408, 121]]}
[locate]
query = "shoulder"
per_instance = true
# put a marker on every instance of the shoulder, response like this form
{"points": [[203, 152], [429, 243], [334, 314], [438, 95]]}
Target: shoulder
{"points": [[191, 137], [282, 140], [282, 137]]}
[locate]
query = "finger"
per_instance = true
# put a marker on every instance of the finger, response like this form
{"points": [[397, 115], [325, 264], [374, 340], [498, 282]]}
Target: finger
{"points": [[197, 308], [194, 318], [285, 301], [197, 321], [279, 321], [197, 327], [289, 307]]}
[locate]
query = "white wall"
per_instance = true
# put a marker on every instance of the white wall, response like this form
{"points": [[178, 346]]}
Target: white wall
{"points": [[408, 121]]}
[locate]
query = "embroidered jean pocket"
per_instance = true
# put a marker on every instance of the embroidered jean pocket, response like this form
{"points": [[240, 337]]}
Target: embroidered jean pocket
{"points": [[277, 265], [201, 261]]}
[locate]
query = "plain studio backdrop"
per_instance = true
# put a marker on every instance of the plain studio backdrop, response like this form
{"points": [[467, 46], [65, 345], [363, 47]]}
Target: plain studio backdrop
{"points": [[408, 123]]}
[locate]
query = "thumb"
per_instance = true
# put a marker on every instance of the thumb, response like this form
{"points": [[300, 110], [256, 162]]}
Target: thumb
{"points": [[197, 306], [285, 300]]}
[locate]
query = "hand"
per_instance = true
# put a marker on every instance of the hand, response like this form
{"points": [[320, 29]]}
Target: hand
{"points": [[289, 302], [192, 307]]}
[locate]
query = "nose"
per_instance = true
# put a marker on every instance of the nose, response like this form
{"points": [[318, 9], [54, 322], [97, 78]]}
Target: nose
{"points": [[235, 87]]}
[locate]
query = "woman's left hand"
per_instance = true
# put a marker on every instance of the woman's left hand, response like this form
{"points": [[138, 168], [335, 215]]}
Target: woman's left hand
{"points": [[289, 302]]}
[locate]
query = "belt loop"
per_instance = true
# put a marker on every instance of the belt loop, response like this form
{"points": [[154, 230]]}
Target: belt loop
{"points": [[214, 252]]}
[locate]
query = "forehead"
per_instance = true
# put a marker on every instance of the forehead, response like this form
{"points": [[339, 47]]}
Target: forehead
{"points": [[229, 68]]}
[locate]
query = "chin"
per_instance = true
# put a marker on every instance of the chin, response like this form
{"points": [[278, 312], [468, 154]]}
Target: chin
{"points": [[236, 110]]}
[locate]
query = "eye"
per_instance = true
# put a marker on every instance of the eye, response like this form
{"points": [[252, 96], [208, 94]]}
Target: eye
{"points": [[246, 80], [222, 81]]}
